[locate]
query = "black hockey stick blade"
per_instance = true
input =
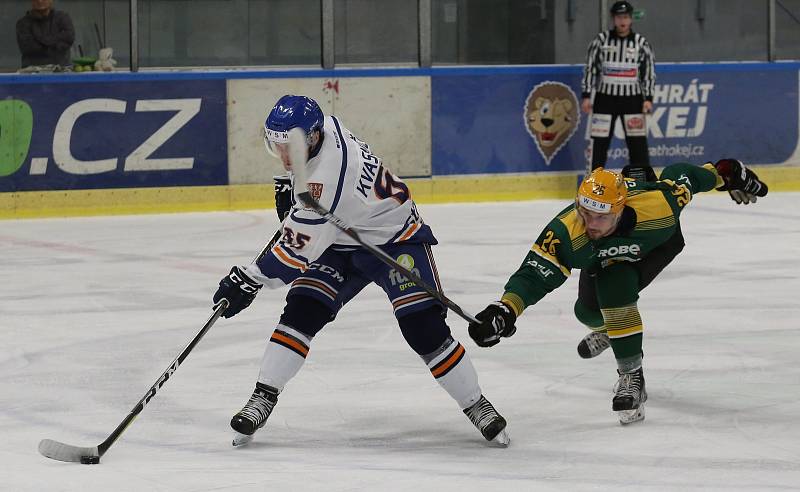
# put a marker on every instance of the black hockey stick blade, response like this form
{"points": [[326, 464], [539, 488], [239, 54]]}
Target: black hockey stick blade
{"points": [[298, 156]]}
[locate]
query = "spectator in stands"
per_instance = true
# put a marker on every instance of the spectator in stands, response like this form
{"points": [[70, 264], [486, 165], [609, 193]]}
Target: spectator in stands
{"points": [[45, 35]]}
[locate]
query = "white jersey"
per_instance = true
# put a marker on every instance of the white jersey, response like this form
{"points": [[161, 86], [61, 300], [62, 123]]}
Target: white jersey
{"points": [[345, 177]]}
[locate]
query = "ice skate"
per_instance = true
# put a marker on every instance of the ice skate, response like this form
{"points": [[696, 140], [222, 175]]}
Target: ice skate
{"points": [[491, 424], [254, 414], [593, 344], [629, 397]]}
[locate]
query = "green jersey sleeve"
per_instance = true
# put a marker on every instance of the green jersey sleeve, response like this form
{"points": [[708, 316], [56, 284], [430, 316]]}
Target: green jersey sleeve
{"points": [[545, 268], [680, 182]]}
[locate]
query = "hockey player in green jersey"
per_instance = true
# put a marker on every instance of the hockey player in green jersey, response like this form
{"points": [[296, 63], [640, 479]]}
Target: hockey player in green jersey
{"points": [[613, 231]]}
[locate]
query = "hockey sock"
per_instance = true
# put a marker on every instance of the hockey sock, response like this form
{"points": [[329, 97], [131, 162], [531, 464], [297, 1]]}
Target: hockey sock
{"points": [[629, 364], [284, 356], [624, 326], [453, 370]]}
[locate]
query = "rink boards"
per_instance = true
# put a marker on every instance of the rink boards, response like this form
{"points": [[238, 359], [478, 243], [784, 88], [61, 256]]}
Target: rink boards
{"points": [[161, 142]]}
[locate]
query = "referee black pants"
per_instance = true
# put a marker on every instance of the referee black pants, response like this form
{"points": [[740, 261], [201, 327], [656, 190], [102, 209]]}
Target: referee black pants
{"points": [[618, 106]]}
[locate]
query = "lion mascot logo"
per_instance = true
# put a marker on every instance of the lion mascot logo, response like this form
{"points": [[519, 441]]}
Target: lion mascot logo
{"points": [[551, 117]]}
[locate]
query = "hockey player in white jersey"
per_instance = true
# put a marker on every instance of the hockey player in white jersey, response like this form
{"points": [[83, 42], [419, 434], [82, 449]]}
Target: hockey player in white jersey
{"points": [[325, 268]]}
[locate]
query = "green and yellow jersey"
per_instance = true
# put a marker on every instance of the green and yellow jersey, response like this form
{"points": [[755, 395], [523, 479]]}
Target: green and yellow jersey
{"points": [[650, 217]]}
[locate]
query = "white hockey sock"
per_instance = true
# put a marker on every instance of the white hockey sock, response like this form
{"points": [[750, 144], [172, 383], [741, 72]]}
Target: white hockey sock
{"points": [[284, 356], [451, 366]]}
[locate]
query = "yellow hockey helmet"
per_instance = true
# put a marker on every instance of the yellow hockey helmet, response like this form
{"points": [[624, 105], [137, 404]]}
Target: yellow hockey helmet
{"points": [[602, 192]]}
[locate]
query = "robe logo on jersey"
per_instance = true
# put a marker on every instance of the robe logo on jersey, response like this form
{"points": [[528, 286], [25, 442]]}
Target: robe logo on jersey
{"points": [[316, 190], [551, 117], [624, 249]]}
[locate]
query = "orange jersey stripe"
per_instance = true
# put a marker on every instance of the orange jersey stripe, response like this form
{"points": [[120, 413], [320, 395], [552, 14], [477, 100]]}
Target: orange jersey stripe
{"points": [[410, 232], [288, 259], [314, 283]]}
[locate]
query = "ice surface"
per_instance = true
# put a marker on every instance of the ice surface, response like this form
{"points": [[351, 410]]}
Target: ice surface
{"points": [[93, 309]]}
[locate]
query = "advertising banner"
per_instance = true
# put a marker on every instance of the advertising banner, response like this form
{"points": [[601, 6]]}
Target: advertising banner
{"points": [[513, 121], [73, 136], [391, 114]]}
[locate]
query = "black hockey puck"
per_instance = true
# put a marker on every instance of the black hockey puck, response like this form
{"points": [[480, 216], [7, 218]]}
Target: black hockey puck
{"points": [[90, 460]]}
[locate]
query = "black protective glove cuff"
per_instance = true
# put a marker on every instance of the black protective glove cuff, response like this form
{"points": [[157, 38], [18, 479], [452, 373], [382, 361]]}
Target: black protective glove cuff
{"points": [[283, 196]]}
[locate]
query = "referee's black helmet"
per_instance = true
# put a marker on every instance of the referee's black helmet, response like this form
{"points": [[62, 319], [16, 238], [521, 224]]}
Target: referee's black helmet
{"points": [[622, 7]]}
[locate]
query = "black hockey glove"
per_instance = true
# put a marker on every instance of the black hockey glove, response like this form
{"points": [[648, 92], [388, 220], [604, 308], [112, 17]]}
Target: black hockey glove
{"points": [[496, 321], [283, 196], [639, 173], [239, 289], [741, 183]]}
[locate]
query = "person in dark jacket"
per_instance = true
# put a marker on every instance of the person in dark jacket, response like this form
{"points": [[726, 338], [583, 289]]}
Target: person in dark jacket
{"points": [[45, 35]]}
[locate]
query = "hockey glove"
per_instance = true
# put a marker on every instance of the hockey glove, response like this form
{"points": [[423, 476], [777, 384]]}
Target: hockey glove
{"points": [[239, 289], [639, 173], [741, 183], [283, 196], [496, 321]]}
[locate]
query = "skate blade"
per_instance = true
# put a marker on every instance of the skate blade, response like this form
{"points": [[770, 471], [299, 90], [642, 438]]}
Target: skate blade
{"points": [[501, 440], [630, 416], [240, 439]]}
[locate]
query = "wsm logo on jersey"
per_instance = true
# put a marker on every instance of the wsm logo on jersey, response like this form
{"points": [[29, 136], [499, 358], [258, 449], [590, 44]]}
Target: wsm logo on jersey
{"points": [[551, 117]]}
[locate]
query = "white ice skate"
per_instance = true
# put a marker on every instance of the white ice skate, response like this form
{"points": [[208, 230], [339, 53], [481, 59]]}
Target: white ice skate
{"points": [[629, 397], [593, 345], [254, 414], [491, 424]]}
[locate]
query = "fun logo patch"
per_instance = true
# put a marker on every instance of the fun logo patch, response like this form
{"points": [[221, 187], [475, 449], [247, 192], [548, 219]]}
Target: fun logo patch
{"points": [[406, 261]]}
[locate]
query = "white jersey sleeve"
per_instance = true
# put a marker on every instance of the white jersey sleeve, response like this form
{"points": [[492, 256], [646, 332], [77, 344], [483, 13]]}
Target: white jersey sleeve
{"points": [[345, 177]]}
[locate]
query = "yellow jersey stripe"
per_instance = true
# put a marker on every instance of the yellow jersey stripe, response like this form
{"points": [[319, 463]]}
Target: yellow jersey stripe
{"points": [[655, 224], [579, 242], [551, 259], [574, 225], [651, 205]]}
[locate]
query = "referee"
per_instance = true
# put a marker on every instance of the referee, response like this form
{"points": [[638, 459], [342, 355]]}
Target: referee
{"points": [[619, 68]]}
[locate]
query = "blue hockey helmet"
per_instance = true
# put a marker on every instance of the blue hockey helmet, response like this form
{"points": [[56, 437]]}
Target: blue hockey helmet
{"points": [[292, 112]]}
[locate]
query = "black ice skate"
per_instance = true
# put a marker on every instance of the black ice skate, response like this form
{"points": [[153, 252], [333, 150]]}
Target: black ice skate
{"points": [[629, 397], [491, 424], [254, 414], [593, 345]]}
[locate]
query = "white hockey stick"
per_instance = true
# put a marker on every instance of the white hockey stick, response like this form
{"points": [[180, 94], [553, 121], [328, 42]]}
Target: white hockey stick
{"points": [[298, 156]]}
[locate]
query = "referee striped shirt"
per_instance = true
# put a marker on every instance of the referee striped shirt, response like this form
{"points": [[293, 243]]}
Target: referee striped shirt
{"points": [[619, 66]]}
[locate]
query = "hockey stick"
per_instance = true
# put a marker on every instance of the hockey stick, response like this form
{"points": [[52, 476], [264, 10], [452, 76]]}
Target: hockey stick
{"points": [[298, 156], [88, 456], [91, 455]]}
